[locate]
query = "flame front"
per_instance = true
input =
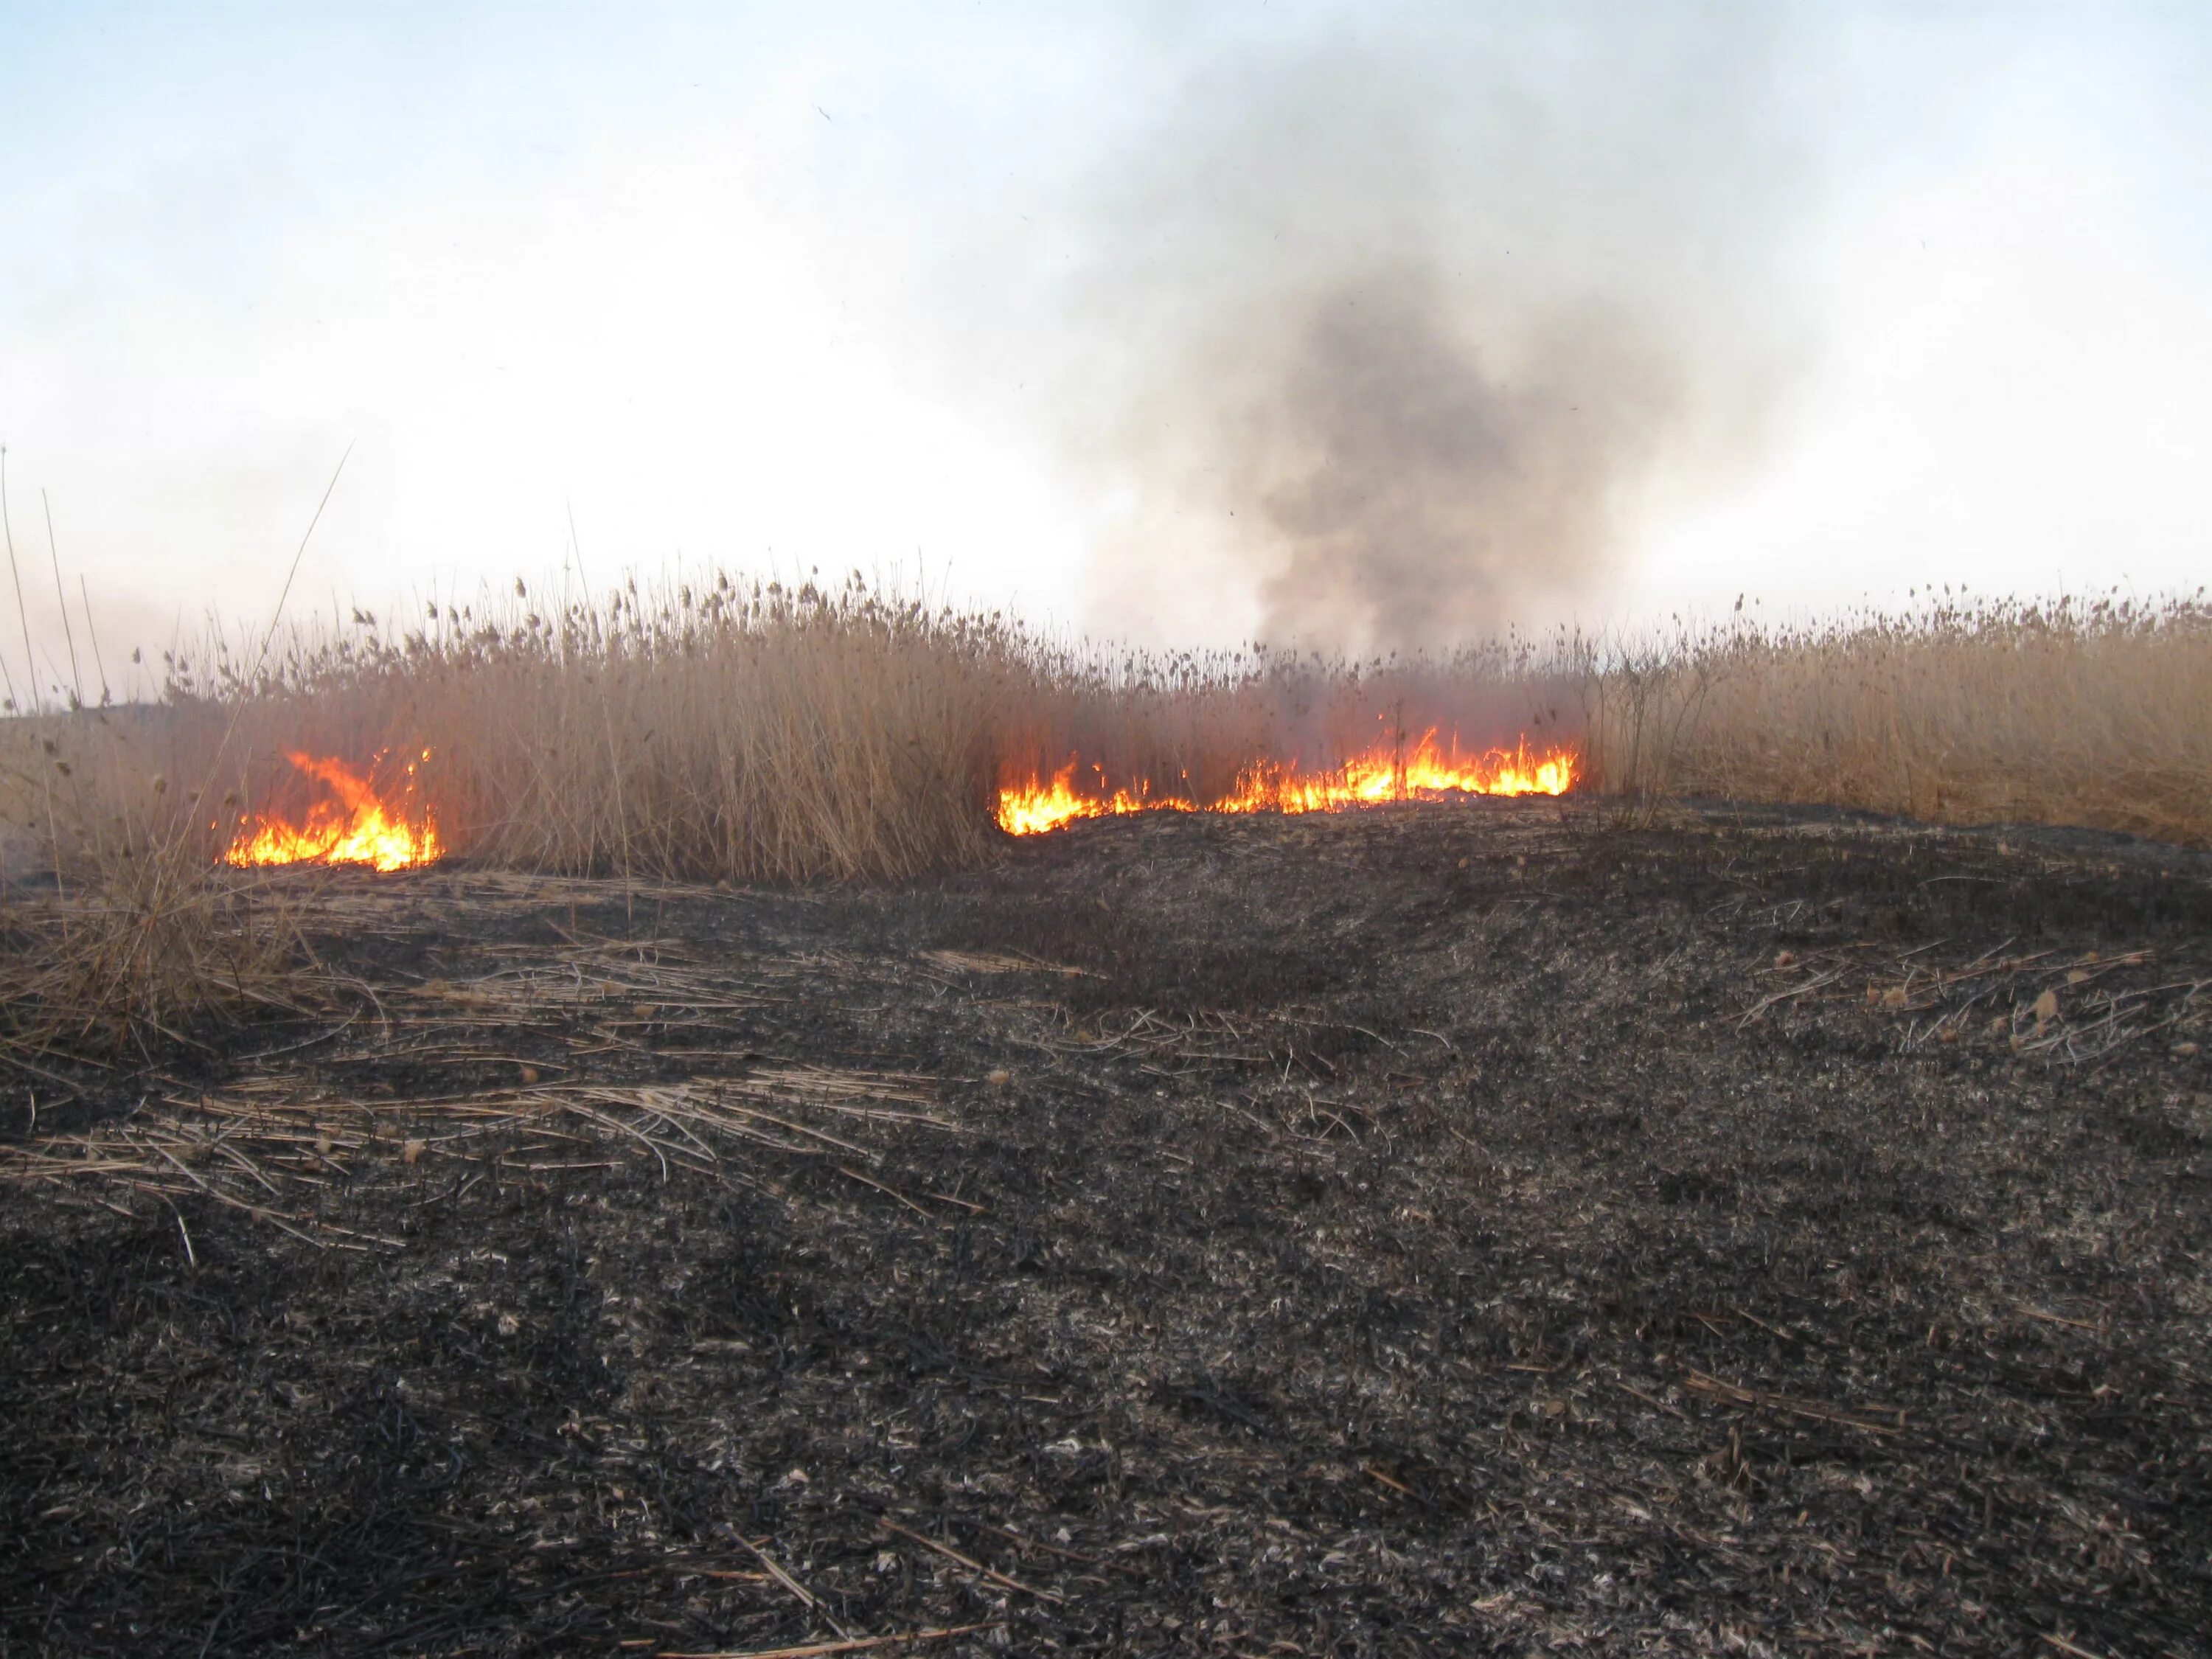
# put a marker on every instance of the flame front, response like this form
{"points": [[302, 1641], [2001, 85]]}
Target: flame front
{"points": [[1381, 774], [357, 828]]}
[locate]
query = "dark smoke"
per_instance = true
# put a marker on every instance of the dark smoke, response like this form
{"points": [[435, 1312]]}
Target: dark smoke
{"points": [[1415, 497], [1400, 333]]}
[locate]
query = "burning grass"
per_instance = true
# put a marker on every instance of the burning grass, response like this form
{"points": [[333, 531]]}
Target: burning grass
{"points": [[355, 825], [1396, 773], [728, 732]]}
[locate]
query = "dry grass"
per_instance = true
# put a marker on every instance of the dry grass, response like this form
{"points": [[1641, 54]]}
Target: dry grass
{"points": [[728, 732], [716, 732], [138, 936], [749, 734], [2097, 714]]}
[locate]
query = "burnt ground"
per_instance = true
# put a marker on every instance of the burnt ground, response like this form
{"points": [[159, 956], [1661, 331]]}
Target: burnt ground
{"points": [[1450, 1228]]}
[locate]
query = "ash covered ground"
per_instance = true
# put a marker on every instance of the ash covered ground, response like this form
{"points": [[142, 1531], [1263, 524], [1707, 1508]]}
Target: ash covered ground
{"points": [[1488, 1227]]}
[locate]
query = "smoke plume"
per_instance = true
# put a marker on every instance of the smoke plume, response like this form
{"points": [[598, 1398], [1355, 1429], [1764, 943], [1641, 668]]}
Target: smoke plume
{"points": [[1397, 333]]}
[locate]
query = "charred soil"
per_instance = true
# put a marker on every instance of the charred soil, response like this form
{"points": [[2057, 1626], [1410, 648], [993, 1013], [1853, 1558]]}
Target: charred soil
{"points": [[1486, 1227]]}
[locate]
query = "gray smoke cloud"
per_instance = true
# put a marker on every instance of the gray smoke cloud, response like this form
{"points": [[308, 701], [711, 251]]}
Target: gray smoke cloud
{"points": [[1412, 496], [1399, 329]]}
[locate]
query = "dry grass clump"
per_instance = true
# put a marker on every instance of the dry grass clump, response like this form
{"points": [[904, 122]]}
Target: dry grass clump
{"points": [[134, 967], [120, 932], [2095, 714]]}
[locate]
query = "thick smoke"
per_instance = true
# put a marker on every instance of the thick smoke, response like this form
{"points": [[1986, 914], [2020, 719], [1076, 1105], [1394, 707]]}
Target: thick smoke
{"points": [[1397, 334], [1410, 494]]}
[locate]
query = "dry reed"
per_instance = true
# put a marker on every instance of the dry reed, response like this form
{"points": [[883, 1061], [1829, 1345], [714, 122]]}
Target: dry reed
{"points": [[709, 733], [721, 731], [2094, 713], [137, 937]]}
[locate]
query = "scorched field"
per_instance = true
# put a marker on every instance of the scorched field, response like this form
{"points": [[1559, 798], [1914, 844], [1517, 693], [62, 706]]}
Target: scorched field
{"points": [[1451, 1226]]}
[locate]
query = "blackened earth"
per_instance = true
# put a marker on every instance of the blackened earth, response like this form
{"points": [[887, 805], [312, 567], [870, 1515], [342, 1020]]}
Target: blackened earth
{"points": [[1440, 1229]]}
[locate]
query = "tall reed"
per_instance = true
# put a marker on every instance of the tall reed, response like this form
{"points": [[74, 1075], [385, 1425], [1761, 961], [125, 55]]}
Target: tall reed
{"points": [[2094, 713], [756, 732]]}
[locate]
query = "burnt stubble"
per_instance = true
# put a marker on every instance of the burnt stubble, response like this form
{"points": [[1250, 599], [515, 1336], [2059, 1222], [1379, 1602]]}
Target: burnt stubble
{"points": [[1431, 1228]]}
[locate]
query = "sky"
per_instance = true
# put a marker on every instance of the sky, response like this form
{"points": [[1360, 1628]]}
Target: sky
{"points": [[1358, 325]]}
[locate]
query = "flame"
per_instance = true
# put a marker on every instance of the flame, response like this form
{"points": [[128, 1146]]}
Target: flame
{"points": [[358, 827], [1381, 774]]}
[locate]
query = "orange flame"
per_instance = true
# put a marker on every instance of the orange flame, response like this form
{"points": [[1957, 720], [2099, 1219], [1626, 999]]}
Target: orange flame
{"points": [[1381, 774], [358, 827]]}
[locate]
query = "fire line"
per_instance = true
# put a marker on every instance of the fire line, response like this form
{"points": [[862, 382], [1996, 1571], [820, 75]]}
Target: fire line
{"points": [[1381, 774], [358, 827]]}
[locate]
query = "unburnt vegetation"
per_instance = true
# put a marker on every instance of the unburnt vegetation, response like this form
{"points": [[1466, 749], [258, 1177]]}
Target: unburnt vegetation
{"points": [[2095, 713]]}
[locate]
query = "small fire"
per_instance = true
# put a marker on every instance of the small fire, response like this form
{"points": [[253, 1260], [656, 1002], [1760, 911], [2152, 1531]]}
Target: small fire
{"points": [[1380, 775], [357, 828]]}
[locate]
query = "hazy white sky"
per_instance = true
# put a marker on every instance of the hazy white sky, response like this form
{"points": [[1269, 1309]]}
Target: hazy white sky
{"points": [[805, 286]]}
